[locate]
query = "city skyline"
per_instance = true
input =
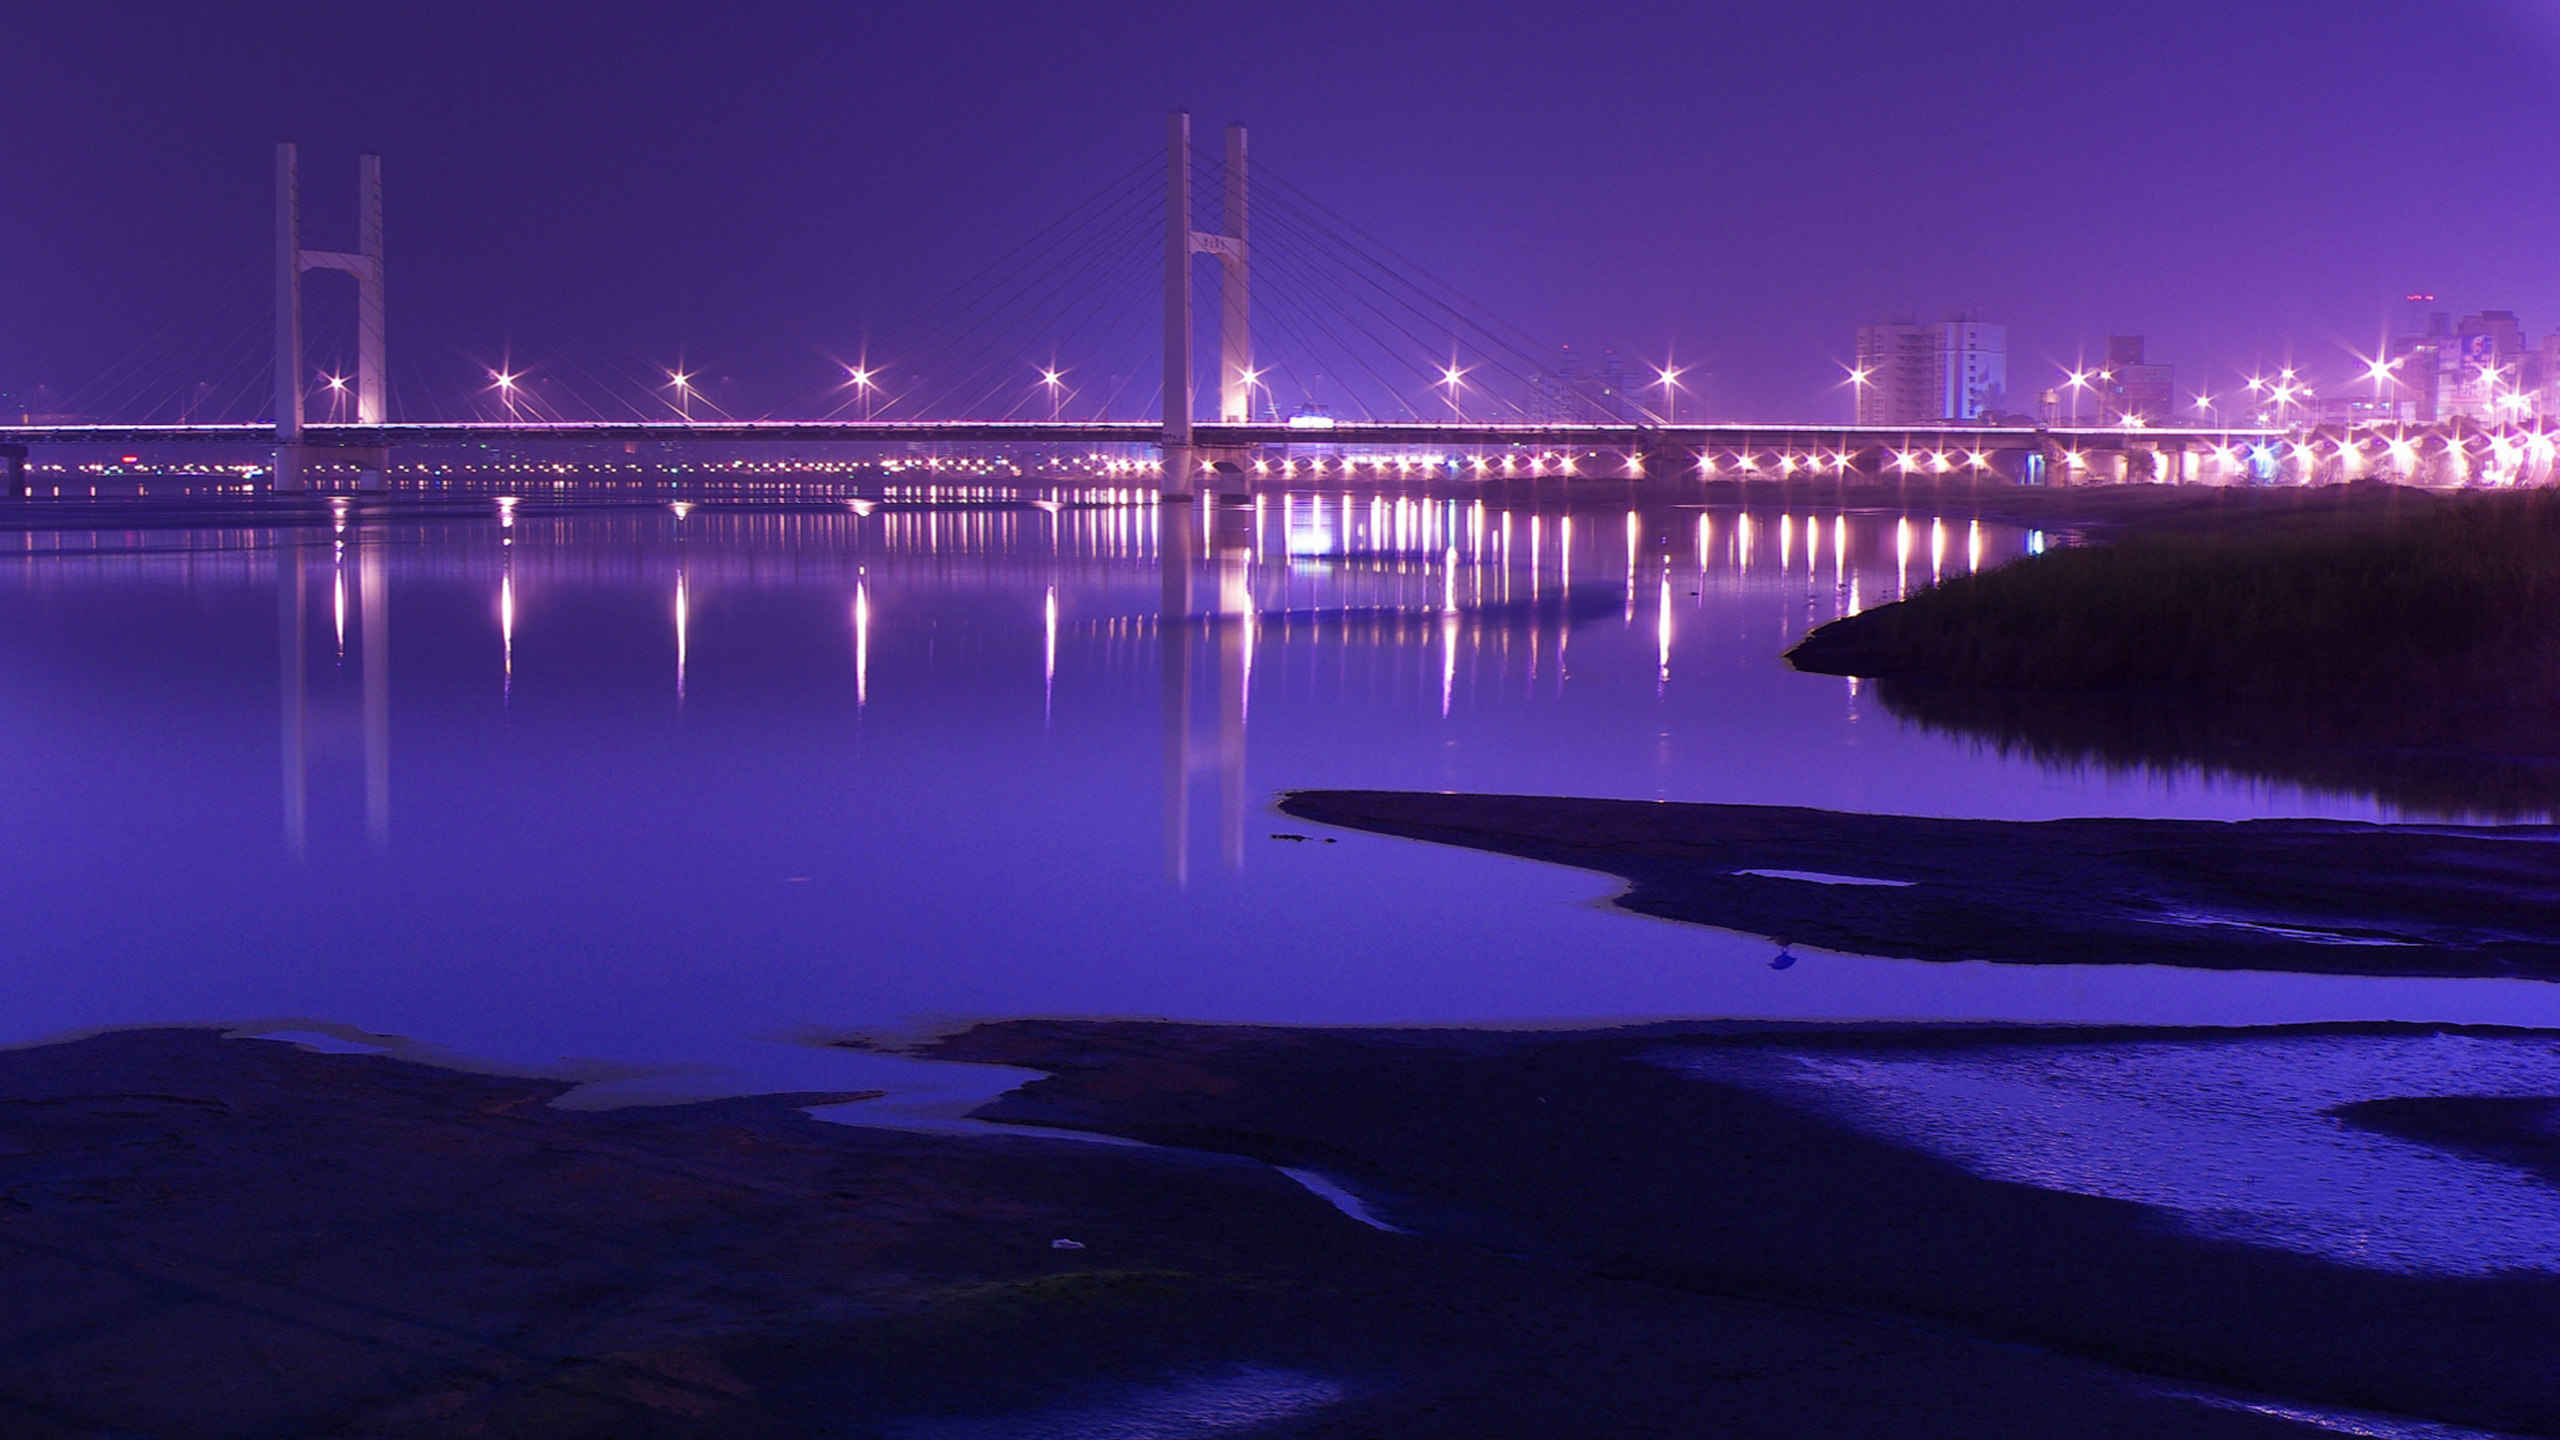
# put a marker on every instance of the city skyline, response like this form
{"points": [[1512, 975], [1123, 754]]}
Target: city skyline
{"points": [[752, 221]]}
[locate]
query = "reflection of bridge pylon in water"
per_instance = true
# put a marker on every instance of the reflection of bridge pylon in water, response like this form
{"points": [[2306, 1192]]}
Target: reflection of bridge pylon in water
{"points": [[293, 666], [1225, 634]]}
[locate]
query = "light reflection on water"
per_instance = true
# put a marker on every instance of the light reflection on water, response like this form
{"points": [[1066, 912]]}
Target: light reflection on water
{"points": [[655, 785], [2232, 1136]]}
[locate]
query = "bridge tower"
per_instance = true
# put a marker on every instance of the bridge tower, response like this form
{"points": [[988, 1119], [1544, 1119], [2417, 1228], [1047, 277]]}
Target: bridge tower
{"points": [[365, 264], [1183, 461]]}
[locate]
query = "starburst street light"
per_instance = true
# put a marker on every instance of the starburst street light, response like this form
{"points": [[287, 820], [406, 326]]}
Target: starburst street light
{"points": [[1668, 377], [2381, 371], [683, 385], [2078, 381], [860, 378], [1451, 375], [1052, 377], [506, 383]]}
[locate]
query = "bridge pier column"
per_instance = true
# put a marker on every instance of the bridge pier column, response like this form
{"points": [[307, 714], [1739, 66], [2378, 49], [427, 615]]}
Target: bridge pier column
{"points": [[13, 469], [1669, 461], [291, 461], [372, 462], [1181, 472], [1223, 469], [2052, 461]]}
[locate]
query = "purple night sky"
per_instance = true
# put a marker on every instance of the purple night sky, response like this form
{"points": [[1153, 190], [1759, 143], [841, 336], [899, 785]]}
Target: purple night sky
{"points": [[758, 188]]}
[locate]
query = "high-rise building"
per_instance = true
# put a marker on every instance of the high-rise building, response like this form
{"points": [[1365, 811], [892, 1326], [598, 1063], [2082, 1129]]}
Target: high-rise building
{"points": [[2480, 367], [1914, 374], [2419, 357], [1972, 363], [2131, 388], [1893, 368], [1573, 392], [2490, 367]]}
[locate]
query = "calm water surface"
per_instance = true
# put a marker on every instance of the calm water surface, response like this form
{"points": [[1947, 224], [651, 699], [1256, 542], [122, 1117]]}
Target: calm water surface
{"points": [[647, 793]]}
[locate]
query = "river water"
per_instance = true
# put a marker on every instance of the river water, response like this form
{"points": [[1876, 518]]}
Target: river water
{"points": [[655, 794]]}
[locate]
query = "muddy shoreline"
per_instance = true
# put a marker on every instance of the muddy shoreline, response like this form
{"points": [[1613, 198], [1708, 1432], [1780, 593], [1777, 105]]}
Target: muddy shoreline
{"points": [[205, 1236], [2324, 897]]}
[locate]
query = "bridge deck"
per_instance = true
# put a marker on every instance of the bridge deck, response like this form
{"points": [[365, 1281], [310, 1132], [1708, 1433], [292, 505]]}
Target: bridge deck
{"points": [[1403, 435]]}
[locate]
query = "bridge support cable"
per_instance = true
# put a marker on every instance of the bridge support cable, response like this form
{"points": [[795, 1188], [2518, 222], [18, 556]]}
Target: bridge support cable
{"points": [[1285, 302], [1079, 294], [946, 350], [1412, 323], [1399, 315], [193, 367], [1295, 330], [993, 351], [1351, 237], [1334, 309]]}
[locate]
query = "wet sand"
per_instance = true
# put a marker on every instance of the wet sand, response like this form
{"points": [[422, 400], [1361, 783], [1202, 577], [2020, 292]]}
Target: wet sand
{"points": [[2324, 897], [203, 1236]]}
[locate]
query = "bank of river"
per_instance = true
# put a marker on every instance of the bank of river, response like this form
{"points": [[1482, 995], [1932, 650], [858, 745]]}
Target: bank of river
{"points": [[646, 806], [1636, 1232]]}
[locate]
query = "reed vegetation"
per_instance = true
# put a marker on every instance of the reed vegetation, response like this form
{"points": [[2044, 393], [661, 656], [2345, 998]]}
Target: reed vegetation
{"points": [[2379, 621], [2411, 591]]}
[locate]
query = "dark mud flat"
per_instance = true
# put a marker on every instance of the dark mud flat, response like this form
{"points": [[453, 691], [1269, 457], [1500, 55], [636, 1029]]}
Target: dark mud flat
{"points": [[2319, 896], [211, 1237]]}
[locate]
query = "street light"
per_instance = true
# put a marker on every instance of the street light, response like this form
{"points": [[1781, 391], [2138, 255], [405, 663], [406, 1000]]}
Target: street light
{"points": [[1451, 375], [1859, 378], [1051, 377], [506, 389], [2379, 371], [1670, 383], [683, 384], [2077, 380], [2260, 385]]}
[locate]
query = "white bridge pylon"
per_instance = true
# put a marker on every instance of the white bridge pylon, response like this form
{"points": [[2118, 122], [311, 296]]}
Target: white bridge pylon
{"points": [[365, 264], [1184, 465]]}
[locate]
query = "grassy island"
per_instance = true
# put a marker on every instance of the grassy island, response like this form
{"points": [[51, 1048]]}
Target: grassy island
{"points": [[2394, 640]]}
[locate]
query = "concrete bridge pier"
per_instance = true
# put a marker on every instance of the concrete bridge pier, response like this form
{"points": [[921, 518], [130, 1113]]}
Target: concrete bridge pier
{"points": [[291, 463], [1223, 469], [2053, 461], [1206, 471], [1181, 471], [372, 462], [13, 470], [1668, 462]]}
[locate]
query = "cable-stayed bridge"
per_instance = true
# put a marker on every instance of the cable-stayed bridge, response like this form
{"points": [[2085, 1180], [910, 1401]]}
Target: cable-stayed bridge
{"points": [[1327, 352]]}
